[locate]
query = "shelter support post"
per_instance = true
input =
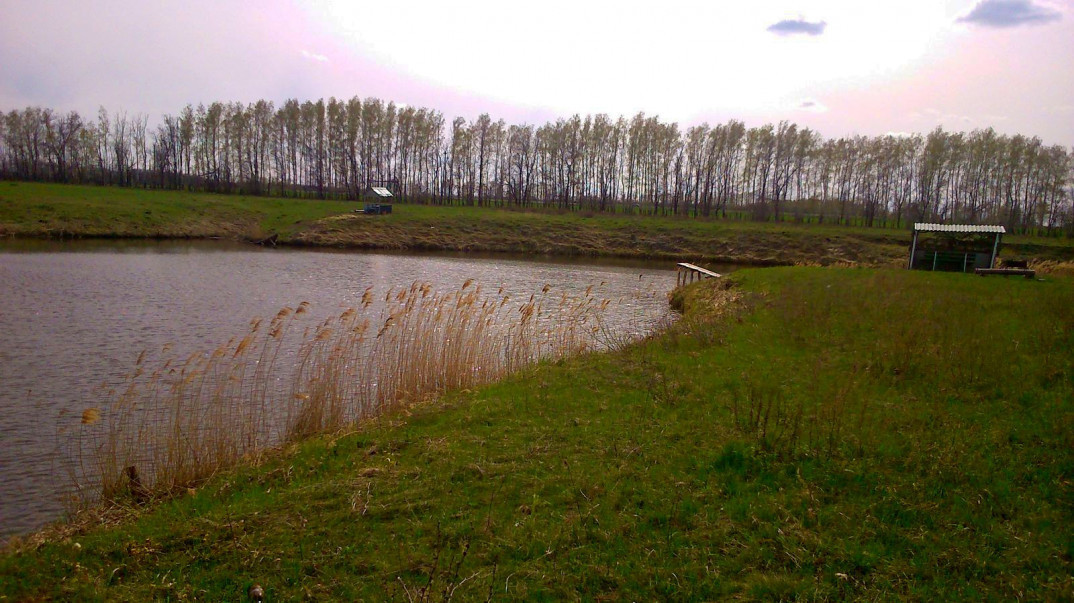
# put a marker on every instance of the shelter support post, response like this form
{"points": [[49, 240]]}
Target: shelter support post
{"points": [[913, 249]]}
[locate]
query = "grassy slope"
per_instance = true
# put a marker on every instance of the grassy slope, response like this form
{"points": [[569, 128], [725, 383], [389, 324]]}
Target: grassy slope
{"points": [[55, 210], [481, 229], [811, 433], [28, 209]]}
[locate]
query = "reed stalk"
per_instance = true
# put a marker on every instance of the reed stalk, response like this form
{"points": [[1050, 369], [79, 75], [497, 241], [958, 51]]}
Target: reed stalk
{"points": [[173, 427]]}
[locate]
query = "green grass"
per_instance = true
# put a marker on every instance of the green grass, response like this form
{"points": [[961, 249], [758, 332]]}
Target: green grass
{"points": [[809, 434], [56, 210], [51, 210]]}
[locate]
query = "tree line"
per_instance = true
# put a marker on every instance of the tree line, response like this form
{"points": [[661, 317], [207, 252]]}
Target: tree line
{"points": [[338, 149]]}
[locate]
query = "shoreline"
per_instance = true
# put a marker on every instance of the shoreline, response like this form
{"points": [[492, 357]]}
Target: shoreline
{"points": [[643, 462], [889, 251], [434, 251], [65, 212]]}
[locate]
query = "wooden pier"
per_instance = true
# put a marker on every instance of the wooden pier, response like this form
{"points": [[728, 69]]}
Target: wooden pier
{"points": [[688, 273]]}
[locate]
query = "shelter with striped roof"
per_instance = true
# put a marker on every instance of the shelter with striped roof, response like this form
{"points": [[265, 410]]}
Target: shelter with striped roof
{"points": [[954, 247]]}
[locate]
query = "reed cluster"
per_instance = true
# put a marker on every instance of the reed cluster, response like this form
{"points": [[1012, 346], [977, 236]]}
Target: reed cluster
{"points": [[1053, 267], [172, 426]]}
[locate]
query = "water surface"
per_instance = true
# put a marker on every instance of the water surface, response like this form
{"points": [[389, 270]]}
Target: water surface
{"points": [[75, 316]]}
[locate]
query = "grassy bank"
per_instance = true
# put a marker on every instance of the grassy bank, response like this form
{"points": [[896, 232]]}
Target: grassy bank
{"points": [[809, 434], [29, 209], [46, 210], [573, 234]]}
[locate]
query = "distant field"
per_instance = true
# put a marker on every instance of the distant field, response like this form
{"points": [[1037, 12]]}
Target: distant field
{"points": [[50, 210], [806, 434]]}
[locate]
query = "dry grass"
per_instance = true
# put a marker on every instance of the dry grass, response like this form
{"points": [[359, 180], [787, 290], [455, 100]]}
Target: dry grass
{"points": [[1053, 267], [173, 426]]}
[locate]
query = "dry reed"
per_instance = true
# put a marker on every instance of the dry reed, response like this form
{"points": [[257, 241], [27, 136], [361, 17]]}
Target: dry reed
{"points": [[1053, 267], [172, 427]]}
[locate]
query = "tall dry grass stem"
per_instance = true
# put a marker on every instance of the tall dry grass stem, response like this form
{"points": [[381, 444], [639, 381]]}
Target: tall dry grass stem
{"points": [[179, 423]]}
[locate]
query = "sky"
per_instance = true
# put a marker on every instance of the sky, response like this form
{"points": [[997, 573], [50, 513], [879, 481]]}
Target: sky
{"points": [[841, 67]]}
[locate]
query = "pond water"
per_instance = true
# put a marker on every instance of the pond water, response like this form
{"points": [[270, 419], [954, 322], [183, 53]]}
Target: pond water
{"points": [[75, 316]]}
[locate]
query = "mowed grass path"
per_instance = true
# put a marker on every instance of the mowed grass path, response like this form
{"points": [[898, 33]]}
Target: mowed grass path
{"points": [[50, 210], [809, 434]]}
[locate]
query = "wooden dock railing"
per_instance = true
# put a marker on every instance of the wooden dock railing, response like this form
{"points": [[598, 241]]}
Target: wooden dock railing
{"points": [[688, 273]]}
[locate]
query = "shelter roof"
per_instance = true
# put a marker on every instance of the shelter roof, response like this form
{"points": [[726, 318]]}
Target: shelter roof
{"points": [[967, 228], [380, 191]]}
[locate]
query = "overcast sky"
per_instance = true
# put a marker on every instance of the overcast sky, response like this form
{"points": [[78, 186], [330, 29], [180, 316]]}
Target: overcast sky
{"points": [[839, 66]]}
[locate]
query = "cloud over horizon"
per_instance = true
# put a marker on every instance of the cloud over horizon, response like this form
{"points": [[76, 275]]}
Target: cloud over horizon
{"points": [[1010, 13], [790, 27]]}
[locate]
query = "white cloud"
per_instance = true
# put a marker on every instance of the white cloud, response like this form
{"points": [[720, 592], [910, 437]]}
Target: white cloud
{"points": [[568, 65], [320, 58]]}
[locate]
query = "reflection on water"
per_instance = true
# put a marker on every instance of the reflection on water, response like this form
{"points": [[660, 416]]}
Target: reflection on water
{"points": [[75, 316]]}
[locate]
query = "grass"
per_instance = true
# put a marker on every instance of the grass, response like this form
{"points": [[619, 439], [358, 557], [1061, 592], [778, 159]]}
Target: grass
{"points": [[29, 209], [50, 210], [805, 434], [573, 234]]}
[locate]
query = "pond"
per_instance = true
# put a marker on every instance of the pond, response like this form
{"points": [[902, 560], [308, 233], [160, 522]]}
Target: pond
{"points": [[76, 316]]}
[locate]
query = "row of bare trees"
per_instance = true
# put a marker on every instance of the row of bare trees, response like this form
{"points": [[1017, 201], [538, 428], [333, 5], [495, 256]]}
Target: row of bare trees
{"points": [[337, 149]]}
